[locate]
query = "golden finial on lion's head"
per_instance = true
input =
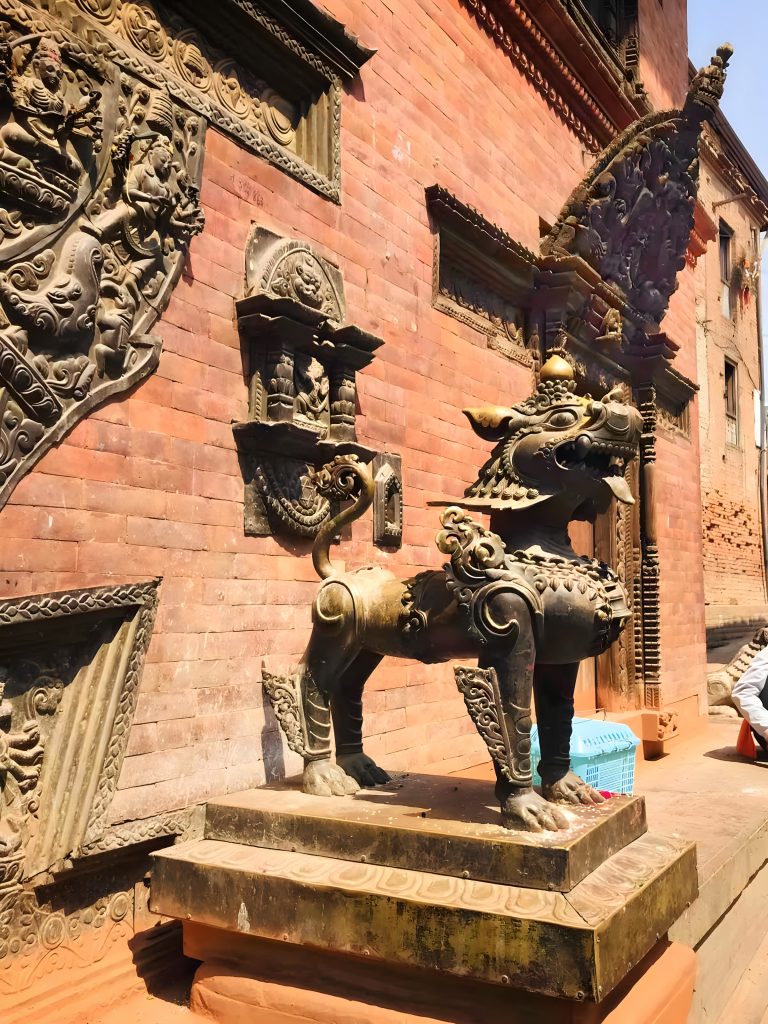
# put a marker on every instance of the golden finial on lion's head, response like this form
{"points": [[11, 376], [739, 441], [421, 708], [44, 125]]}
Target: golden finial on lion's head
{"points": [[556, 368]]}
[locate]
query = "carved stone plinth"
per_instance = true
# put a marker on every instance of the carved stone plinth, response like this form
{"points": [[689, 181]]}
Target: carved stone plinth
{"points": [[439, 824], [405, 878]]}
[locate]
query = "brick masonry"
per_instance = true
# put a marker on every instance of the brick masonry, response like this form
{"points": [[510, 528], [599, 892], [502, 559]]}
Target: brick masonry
{"points": [[150, 484]]}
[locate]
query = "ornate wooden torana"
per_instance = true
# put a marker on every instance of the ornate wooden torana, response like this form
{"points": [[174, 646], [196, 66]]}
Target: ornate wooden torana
{"points": [[302, 358], [517, 596]]}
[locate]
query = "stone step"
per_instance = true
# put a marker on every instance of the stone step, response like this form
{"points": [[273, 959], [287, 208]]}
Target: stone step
{"points": [[577, 945], [448, 826]]}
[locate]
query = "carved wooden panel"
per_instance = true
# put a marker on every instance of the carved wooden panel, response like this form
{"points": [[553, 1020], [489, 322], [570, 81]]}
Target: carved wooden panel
{"points": [[261, 85], [70, 666], [483, 278]]}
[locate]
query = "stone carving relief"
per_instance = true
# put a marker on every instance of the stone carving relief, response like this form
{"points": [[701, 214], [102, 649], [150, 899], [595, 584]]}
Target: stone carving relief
{"points": [[75, 921], [99, 176], [225, 91], [70, 666], [35, 939], [301, 359], [388, 500], [214, 59]]}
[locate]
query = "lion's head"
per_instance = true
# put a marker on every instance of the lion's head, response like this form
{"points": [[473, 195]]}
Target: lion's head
{"points": [[556, 444]]}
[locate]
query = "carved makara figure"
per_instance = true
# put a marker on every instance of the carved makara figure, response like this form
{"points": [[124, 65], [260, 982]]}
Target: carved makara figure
{"points": [[517, 596]]}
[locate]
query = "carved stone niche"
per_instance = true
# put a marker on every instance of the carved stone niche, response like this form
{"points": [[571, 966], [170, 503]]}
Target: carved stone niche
{"points": [[99, 198], [301, 360], [388, 500], [674, 393], [70, 665]]}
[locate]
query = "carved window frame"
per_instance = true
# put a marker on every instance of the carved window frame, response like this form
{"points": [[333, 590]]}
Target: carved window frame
{"points": [[479, 273], [195, 49], [65, 619]]}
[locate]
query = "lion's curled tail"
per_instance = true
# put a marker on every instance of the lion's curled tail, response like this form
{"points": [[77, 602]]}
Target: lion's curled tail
{"points": [[344, 478]]}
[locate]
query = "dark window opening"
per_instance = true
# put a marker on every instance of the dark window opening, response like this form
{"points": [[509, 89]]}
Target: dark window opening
{"points": [[726, 268], [731, 404], [614, 23], [725, 252], [607, 16]]}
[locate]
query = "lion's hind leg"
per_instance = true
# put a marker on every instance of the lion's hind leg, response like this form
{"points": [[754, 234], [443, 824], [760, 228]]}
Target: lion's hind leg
{"points": [[347, 709], [333, 646]]}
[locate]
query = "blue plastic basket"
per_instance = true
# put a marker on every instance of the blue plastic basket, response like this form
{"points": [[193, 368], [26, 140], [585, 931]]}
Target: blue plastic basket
{"points": [[602, 753]]}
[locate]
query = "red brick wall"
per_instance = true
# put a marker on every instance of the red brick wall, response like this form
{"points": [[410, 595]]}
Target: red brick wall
{"points": [[150, 484]]}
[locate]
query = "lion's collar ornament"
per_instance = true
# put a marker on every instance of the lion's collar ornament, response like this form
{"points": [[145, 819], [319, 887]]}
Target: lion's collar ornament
{"points": [[516, 597]]}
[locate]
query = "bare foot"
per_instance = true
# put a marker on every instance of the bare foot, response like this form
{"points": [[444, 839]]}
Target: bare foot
{"points": [[363, 769], [571, 790], [324, 778], [529, 811]]}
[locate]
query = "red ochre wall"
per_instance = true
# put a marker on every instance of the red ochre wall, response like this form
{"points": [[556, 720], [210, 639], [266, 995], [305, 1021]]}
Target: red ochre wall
{"points": [[150, 484]]}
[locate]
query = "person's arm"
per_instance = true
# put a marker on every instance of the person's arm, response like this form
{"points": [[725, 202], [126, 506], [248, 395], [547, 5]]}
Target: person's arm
{"points": [[746, 693]]}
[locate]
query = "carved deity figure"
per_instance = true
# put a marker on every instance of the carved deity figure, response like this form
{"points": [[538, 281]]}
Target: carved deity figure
{"points": [[44, 119], [311, 390], [21, 755]]}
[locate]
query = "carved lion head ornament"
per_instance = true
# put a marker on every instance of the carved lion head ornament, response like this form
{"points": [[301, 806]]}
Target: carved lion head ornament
{"points": [[556, 444]]}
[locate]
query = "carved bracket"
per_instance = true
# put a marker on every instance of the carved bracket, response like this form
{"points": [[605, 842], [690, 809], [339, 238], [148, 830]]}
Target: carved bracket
{"points": [[301, 359], [70, 665]]}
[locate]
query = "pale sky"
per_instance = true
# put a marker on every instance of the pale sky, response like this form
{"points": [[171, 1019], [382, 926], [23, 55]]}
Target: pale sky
{"points": [[744, 23]]}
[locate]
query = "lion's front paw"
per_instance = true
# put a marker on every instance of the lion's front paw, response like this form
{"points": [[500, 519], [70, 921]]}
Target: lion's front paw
{"points": [[324, 778], [529, 811], [363, 769], [571, 790]]}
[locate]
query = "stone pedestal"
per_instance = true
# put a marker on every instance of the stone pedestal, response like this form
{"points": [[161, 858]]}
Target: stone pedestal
{"points": [[418, 883]]}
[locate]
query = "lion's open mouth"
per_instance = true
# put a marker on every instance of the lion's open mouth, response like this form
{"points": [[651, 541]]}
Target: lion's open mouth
{"points": [[604, 460]]}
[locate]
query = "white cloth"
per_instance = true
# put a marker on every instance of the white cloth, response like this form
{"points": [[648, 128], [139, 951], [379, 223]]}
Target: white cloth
{"points": [[746, 693]]}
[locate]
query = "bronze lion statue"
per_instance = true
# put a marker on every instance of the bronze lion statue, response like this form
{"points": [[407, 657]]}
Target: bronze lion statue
{"points": [[516, 596]]}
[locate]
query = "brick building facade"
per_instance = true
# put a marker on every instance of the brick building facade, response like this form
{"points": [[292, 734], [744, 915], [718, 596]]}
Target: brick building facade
{"points": [[733, 196], [504, 113]]}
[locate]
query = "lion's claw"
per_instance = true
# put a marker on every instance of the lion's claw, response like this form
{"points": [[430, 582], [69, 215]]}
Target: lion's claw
{"points": [[363, 769], [572, 790], [529, 811], [324, 778]]}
